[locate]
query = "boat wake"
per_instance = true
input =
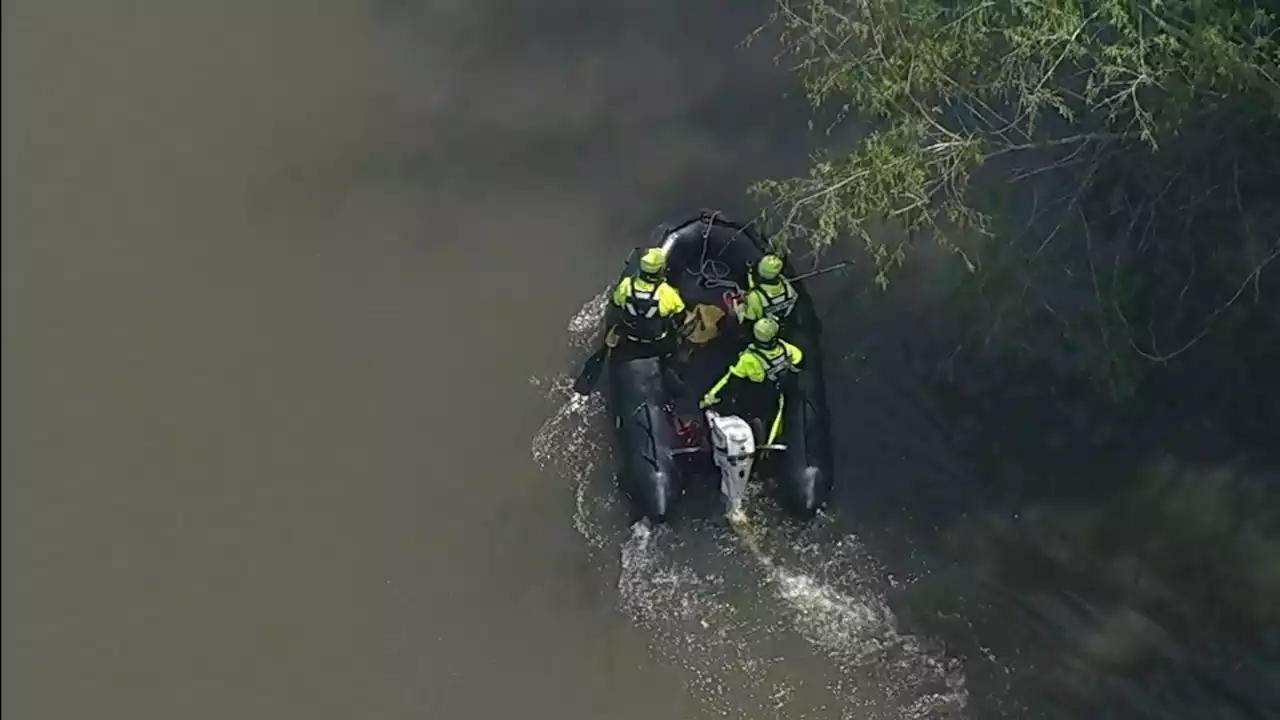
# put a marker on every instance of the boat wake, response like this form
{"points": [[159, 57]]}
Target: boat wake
{"points": [[767, 621]]}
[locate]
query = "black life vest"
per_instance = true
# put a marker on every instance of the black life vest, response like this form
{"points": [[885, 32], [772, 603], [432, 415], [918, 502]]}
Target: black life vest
{"points": [[641, 318]]}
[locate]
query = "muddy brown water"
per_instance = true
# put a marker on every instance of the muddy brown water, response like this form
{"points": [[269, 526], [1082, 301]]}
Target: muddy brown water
{"points": [[291, 294]]}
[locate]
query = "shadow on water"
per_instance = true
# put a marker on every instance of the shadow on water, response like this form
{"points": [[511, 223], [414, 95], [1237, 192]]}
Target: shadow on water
{"points": [[1084, 557]]}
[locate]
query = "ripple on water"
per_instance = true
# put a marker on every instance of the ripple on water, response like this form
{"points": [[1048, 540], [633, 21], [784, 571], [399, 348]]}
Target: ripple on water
{"points": [[758, 636]]}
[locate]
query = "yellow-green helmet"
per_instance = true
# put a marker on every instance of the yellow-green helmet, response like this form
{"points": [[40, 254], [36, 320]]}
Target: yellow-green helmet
{"points": [[770, 267], [765, 330], [653, 262]]}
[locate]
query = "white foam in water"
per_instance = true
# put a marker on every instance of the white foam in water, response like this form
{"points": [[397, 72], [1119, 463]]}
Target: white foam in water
{"points": [[586, 322], [569, 446], [758, 638], [831, 620]]}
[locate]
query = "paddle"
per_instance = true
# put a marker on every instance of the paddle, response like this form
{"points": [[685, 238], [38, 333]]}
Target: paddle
{"points": [[822, 271], [594, 365]]}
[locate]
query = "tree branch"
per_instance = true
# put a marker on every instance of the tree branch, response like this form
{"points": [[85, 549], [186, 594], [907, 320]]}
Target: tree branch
{"points": [[1213, 317]]}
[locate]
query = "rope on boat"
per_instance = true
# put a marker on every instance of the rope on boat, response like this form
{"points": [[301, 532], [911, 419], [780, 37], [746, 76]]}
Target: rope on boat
{"points": [[713, 273]]}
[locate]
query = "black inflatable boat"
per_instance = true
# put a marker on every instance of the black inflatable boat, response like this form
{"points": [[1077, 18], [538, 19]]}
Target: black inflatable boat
{"points": [[660, 431]]}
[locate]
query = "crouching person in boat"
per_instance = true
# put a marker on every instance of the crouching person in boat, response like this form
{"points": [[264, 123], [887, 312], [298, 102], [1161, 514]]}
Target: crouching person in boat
{"points": [[754, 384], [646, 310]]}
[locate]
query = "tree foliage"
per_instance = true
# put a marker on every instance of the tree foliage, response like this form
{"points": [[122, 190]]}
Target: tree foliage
{"points": [[1157, 120]]}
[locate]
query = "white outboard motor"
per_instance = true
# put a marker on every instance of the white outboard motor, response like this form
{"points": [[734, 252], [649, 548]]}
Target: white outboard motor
{"points": [[733, 448]]}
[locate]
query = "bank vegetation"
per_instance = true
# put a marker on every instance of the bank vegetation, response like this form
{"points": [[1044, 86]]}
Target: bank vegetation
{"points": [[1106, 168]]}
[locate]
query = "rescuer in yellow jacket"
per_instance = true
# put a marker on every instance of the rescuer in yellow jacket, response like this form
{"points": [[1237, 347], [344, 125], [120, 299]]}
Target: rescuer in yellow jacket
{"points": [[755, 378], [768, 293], [645, 306]]}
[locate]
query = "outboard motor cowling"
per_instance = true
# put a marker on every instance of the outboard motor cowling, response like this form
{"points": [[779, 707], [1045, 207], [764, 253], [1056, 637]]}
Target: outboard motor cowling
{"points": [[733, 449]]}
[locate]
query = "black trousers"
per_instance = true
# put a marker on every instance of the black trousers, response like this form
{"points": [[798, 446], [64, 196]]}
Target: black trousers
{"points": [[749, 399]]}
